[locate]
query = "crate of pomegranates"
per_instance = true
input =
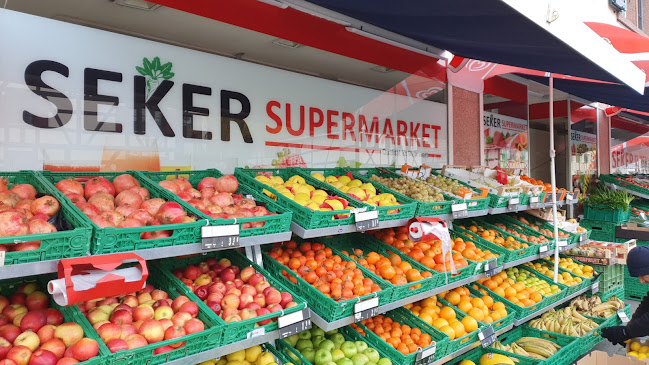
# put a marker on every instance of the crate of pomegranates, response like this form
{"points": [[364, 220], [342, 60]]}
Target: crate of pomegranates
{"points": [[36, 330], [157, 324], [222, 199], [240, 294], [127, 212], [34, 225]]}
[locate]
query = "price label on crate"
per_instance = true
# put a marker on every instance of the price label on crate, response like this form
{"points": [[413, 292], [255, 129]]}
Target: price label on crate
{"points": [[563, 245], [220, 237], [534, 202], [594, 289], [426, 356], [294, 323], [544, 251], [623, 317], [256, 332], [366, 309], [512, 204], [569, 198], [491, 268], [459, 210], [487, 336], [367, 220], [583, 237]]}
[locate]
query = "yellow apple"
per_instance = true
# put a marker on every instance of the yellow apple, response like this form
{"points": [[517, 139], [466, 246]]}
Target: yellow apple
{"points": [[318, 176]]}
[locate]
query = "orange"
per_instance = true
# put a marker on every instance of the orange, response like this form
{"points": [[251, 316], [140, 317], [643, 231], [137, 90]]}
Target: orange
{"points": [[498, 305], [453, 298], [536, 297], [426, 318], [518, 286], [488, 301], [495, 315], [470, 324], [447, 313], [448, 331], [477, 303], [439, 323], [510, 292], [465, 306], [502, 312], [476, 313], [458, 328], [499, 291]]}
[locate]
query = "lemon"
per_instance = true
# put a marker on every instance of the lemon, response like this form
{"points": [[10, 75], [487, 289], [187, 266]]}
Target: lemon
{"points": [[344, 179], [635, 346], [644, 350], [632, 353], [355, 183], [318, 176]]}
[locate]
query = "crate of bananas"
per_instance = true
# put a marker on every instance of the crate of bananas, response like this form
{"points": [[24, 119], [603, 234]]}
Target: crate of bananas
{"points": [[594, 307], [567, 321], [551, 348]]}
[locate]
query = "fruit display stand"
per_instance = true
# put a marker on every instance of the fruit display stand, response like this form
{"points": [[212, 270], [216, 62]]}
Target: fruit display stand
{"points": [[71, 240], [570, 346]]}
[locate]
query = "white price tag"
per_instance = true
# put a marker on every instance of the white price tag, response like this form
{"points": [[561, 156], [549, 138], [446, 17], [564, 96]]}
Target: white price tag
{"points": [[459, 210], [367, 220], [534, 199], [220, 237], [426, 356], [2, 258], [294, 323], [366, 309], [594, 289], [260, 331], [569, 197], [512, 204], [487, 336], [623, 317]]}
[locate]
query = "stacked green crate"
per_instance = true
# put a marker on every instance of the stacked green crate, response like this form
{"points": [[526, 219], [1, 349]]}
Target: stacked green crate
{"points": [[633, 289], [601, 230]]}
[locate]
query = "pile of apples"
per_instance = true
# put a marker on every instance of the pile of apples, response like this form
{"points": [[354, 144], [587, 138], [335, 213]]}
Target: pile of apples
{"points": [[233, 293], [142, 318], [21, 213], [122, 203], [355, 188], [32, 333], [296, 189], [216, 198], [251, 356]]}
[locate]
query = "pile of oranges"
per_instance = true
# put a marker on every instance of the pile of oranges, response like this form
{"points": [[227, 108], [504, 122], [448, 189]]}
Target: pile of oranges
{"points": [[507, 241], [392, 268], [401, 337], [471, 252], [443, 318], [508, 288], [483, 309], [328, 273]]}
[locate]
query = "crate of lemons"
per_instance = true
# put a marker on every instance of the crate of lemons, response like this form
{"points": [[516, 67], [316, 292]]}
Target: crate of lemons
{"points": [[638, 349], [364, 192], [256, 355]]}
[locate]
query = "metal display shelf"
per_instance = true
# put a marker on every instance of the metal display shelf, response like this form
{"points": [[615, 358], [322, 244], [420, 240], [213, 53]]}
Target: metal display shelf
{"points": [[350, 228], [502, 210], [518, 322], [44, 267], [467, 348], [618, 187]]}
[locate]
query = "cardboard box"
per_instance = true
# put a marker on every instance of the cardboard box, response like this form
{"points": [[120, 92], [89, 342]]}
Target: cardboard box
{"points": [[602, 358]]}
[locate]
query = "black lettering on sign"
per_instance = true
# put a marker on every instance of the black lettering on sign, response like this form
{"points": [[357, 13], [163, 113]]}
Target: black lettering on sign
{"points": [[92, 100], [140, 103], [189, 110], [33, 79], [227, 116]]}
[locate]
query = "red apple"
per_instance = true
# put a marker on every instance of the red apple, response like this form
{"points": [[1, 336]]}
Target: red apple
{"points": [[175, 332], [3, 302], [18, 298], [3, 320], [248, 289], [261, 312], [227, 275], [43, 357], [211, 261], [253, 306], [179, 273], [261, 286], [217, 287], [85, 349], [214, 297], [178, 302], [134, 341], [255, 279], [228, 311], [234, 291], [244, 300], [286, 298], [107, 301], [290, 305], [147, 289], [163, 349], [33, 321], [67, 361], [247, 313], [260, 299], [69, 333], [229, 286], [202, 292], [5, 346], [130, 300], [10, 332], [121, 316], [56, 346], [137, 325], [232, 318], [99, 324], [37, 300], [109, 331], [273, 297], [18, 319], [143, 312], [8, 362], [231, 301], [215, 307], [193, 325], [98, 315], [54, 316], [29, 339], [152, 331], [117, 345], [20, 355], [238, 283], [189, 307], [212, 274], [224, 262], [46, 333], [189, 284], [180, 318], [127, 329], [191, 272], [166, 323], [159, 294], [144, 297], [13, 310], [247, 273], [274, 307]]}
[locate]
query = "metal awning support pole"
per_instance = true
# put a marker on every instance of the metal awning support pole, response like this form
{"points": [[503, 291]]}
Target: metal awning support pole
{"points": [[553, 181]]}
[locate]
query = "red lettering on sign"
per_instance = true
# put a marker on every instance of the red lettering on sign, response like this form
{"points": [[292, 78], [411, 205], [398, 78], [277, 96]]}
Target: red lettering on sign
{"points": [[373, 131], [425, 135], [313, 124], [348, 117], [388, 134], [331, 124], [414, 128], [402, 129], [289, 128], [269, 110], [436, 128]]}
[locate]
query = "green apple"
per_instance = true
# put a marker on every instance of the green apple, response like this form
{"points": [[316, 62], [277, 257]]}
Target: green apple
{"points": [[322, 356], [304, 335], [292, 340], [315, 331], [337, 354], [385, 361], [303, 344], [309, 354], [292, 356], [349, 348], [360, 359], [344, 361], [337, 339], [360, 346], [372, 354], [327, 345], [317, 340], [330, 363], [329, 333]]}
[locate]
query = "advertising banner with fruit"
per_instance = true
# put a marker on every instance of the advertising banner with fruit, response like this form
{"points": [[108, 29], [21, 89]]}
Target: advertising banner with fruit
{"points": [[506, 142], [99, 101], [583, 160]]}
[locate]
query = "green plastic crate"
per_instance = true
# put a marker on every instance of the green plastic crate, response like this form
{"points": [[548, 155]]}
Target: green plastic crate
{"points": [[475, 355], [278, 223], [406, 210], [604, 213], [500, 201], [73, 242], [280, 358], [633, 289], [502, 252], [542, 224], [9, 287], [520, 228], [348, 242], [112, 240], [617, 292], [601, 230], [569, 288], [234, 331], [611, 276], [327, 308], [303, 216], [531, 250], [211, 337], [503, 322], [623, 181], [513, 255], [404, 316], [568, 353]]}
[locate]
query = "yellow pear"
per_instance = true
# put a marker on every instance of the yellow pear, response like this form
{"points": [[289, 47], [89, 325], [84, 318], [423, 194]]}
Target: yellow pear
{"points": [[298, 179], [319, 199], [318, 176], [265, 359], [334, 204], [276, 179], [344, 179], [269, 194], [320, 192], [358, 193], [337, 184], [253, 353], [222, 361], [302, 196], [301, 189], [368, 187], [344, 189], [262, 179], [313, 206], [236, 356], [290, 184], [331, 179], [355, 183]]}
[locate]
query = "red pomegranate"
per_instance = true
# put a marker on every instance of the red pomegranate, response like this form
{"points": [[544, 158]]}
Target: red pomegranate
{"points": [[42, 217], [98, 184], [237, 198], [170, 185], [70, 186], [102, 200], [198, 204], [125, 182], [46, 205], [155, 234], [183, 184], [184, 219], [213, 209], [144, 193], [13, 224], [130, 198], [222, 199], [101, 221], [24, 206], [185, 196], [126, 210], [24, 191], [40, 226], [207, 182], [9, 198], [3, 184], [194, 193], [143, 216], [89, 209], [76, 198], [207, 193], [169, 212], [227, 184], [130, 223], [230, 209], [246, 203], [114, 217], [27, 246], [152, 205], [259, 211]]}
